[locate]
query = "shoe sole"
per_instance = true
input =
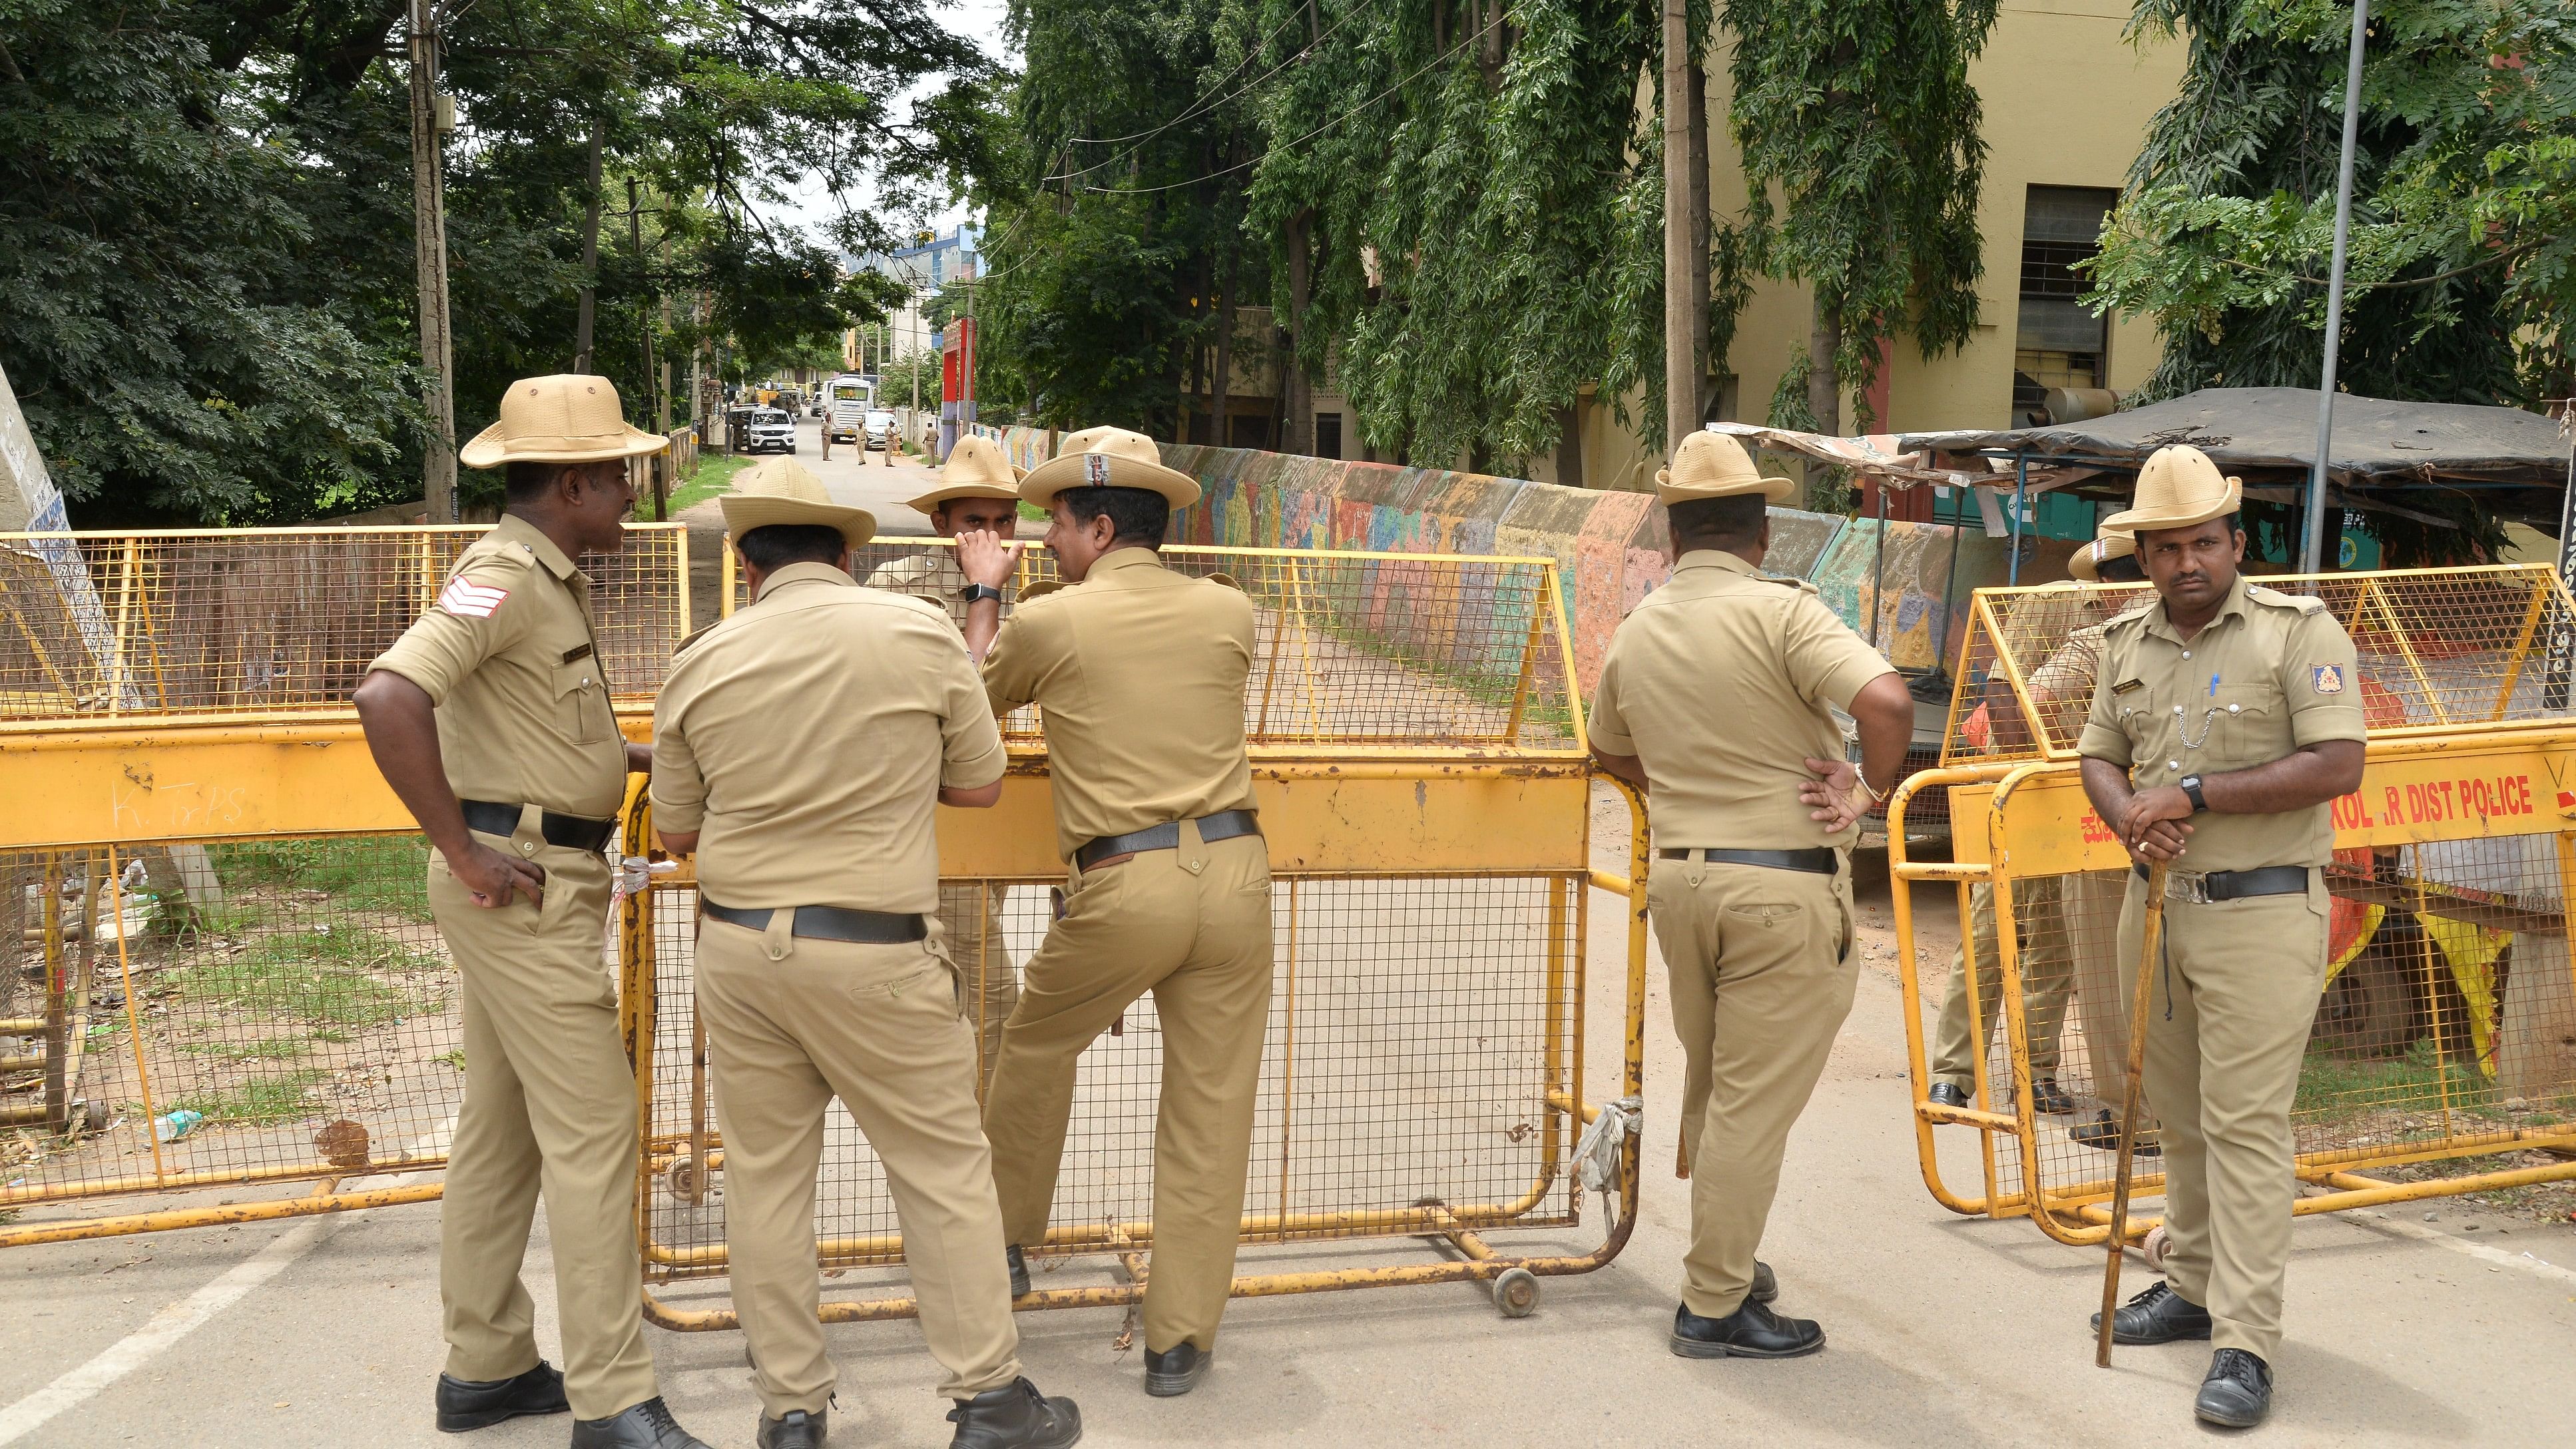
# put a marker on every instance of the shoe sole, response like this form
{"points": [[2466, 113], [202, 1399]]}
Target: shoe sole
{"points": [[1701, 1348], [2227, 1421], [2141, 1341], [1172, 1386], [484, 1419]]}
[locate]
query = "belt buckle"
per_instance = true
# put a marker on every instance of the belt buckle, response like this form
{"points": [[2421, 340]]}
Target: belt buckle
{"points": [[2191, 887]]}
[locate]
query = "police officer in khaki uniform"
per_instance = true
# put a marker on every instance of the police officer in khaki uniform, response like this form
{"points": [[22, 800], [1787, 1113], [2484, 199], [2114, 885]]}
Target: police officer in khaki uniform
{"points": [[1714, 699], [2054, 936], [800, 745], [490, 719], [978, 491], [2225, 719], [1140, 672]]}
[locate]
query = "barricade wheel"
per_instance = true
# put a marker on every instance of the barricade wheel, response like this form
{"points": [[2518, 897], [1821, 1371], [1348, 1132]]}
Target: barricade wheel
{"points": [[683, 1180], [1516, 1292]]}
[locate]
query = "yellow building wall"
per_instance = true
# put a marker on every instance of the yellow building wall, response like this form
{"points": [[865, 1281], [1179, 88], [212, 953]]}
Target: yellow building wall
{"points": [[2067, 102]]}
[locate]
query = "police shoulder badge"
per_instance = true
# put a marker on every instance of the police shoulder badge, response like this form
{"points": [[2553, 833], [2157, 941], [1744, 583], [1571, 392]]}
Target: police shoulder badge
{"points": [[2329, 678]]}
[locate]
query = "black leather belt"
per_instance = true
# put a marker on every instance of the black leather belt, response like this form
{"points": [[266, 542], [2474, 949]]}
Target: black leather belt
{"points": [[1223, 825], [1816, 860], [830, 923], [572, 832], [2234, 885]]}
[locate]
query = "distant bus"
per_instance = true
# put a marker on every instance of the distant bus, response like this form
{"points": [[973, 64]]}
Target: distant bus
{"points": [[845, 416]]}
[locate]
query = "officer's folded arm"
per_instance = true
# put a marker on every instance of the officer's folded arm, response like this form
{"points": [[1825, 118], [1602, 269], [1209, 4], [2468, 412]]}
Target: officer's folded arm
{"points": [[2153, 823]]}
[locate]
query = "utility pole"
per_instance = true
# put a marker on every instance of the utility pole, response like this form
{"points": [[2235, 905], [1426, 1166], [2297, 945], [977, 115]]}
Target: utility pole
{"points": [[2313, 535], [1681, 381], [644, 329], [581, 327], [431, 115]]}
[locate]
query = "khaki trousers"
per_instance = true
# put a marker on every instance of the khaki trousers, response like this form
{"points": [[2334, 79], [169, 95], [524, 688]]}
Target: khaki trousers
{"points": [[791, 1024], [1193, 927], [2047, 981], [1762, 977], [549, 1111], [2104, 979], [2227, 1027], [970, 920]]}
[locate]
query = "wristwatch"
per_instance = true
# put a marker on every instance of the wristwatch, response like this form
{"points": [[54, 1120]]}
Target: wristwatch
{"points": [[973, 592], [2191, 787]]}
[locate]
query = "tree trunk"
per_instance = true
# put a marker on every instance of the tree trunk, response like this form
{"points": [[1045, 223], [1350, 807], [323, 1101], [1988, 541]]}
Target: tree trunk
{"points": [[1296, 394], [1701, 362], [1221, 385], [1824, 391], [429, 232], [1569, 444], [581, 358], [1681, 383]]}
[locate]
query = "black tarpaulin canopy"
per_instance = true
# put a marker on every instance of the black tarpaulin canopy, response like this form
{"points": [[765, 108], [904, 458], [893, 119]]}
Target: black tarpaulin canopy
{"points": [[2269, 434]]}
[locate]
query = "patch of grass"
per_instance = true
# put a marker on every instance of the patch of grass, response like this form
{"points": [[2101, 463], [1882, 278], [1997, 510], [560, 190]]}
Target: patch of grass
{"points": [[714, 476], [2335, 1088], [321, 977], [272, 1049], [262, 1099], [387, 873], [454, 1059]]}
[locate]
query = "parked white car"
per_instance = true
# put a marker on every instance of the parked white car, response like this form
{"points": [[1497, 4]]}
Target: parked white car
{"points": [[772, 430], [881, 429]]}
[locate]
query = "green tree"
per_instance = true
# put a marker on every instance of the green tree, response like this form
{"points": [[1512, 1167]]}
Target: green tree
{"points": [[1859, 115], [2463, 258]]}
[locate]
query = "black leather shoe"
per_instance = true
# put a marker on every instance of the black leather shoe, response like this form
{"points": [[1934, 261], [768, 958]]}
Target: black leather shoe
{"points": [[795, 1429], [2104, 1135], [2237, 1393], [2048, 1097], [1948, 1094], [647, 1425], [1015, 1416], [1766, 1284], [1175, 1371], [465, 1404], [2159, 1315], [1019, 1270], [1751, 1331]]}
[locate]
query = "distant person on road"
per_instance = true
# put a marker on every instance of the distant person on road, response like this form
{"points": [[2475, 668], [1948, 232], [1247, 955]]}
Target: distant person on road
{"points": [[978, 491], [490, 719], [1715, 698], [802, 743], [2226, 718], [1140, 671]]}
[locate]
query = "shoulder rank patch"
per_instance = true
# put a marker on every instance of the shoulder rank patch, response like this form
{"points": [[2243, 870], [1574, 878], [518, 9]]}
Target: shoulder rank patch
{"points": [[470, 600], [2329, 678]]}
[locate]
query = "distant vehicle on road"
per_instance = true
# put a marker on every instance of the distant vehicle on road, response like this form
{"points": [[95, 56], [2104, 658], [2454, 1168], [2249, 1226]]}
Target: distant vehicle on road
{"points": [[852, 398], [880, 427], [772, 430]]}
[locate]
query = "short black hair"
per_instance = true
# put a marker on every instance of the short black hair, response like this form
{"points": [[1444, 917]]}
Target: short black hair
{"points": [[522, 481], [1718, 522], [2122, 570], [780, 544], [1136, 515]]}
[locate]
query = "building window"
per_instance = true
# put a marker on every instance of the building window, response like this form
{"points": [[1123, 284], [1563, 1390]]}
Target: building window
{"points": [[2058, 341], [1328, 435]]}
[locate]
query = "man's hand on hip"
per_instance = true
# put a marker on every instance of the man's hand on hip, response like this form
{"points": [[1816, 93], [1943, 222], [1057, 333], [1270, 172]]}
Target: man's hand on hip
{"points": [[490, 878]]}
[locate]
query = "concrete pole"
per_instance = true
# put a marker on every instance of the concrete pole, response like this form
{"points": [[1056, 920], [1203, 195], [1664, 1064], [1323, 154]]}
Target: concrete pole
{"points": [[2312, 546], [429, 223], [1681, 383]]}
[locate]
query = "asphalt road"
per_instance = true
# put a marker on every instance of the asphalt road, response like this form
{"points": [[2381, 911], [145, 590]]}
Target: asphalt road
{"points": [[1942, 1330]]}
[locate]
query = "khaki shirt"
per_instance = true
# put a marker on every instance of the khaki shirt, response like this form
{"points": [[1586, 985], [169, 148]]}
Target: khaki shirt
{"points": [[2062, 686], [807, 737], [933, 576], [1140, 673], [1719, 683], [2270, 673], [508, 657]]}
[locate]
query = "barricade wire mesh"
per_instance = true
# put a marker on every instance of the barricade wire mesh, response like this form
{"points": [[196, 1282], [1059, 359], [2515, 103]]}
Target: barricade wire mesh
{"points": [[292, 994], [2436, 647], [1349, 648], [237, 621], [1416, 1030]]}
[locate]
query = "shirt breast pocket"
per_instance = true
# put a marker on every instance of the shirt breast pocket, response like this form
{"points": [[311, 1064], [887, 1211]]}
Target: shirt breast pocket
{"points": [[581, 702], [2249, 725]]}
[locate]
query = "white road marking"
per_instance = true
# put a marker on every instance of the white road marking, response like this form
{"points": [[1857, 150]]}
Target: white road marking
{"points": [[2500, 1257], [182, 1318]]}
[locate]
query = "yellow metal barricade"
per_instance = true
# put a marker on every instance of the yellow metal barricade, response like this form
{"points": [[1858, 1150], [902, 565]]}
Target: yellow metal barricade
{"points": [[1425, 796], [229, 977], [2446, 1034]]}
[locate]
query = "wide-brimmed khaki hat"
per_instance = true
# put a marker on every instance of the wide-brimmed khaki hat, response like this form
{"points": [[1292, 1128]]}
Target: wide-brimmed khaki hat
{"points": [[783, 490], [2177, 488], [976, 468], [566, 418], [2088, 560], [1108, 458], [1713, 465]]}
